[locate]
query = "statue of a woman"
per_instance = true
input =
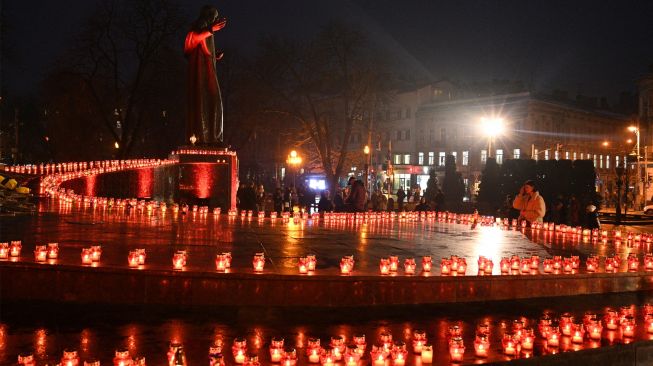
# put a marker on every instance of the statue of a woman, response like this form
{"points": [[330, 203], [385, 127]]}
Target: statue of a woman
{"points": [[204, 124]]}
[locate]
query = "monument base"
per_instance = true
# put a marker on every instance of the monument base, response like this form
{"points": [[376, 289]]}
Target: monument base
{"points": [[208, 176]]}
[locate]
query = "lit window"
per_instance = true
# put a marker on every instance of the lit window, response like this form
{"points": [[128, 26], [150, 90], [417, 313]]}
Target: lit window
{"points": [[575, 156], [557, 155], [407, 159], [607, 162], [567, 155], [483, 156], [516, 153], [420, 158], [455, 156], [499, 156], [601, 161], [397, 159], [441, 158], [594, 160], [616, 160], [465, 158], [431, 158], [546, 154]]}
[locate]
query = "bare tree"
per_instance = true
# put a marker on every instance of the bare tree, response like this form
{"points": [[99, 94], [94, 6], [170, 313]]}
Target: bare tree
{"points": [[326, 88], [119, 62]]}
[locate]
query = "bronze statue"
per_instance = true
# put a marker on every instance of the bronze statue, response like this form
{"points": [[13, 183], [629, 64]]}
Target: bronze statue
{"points": [[204, 124]]}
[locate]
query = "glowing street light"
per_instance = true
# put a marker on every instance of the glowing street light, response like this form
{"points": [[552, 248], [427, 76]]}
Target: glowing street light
{"points": [[294, 160], [635, 129], [116, 145], [492, 127], [605, 144], [366, 150]]}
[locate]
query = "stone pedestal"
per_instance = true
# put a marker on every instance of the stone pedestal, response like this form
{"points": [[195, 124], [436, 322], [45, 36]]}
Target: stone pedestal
{"points": [[207, 176]]}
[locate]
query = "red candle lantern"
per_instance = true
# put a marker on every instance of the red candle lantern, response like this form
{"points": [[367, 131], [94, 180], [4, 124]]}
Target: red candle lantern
{"points": [[567, 265], [544, 325], [26, 359], [70, 358], [87, 256], [302, 265], [220, 263], [648, 321], [515, 262], [347, 265], [553, 337], [132, 258], [527, 339], [489, 265], [352, 356], [53, 250], [276, 350], [258, 262], [481, 263], [548, 265], [456, 349], [121, 358], [462, 265], [378, 355], [239, 350], [338, 346], [455, 331], [419, 340], [399, 354], [96, 253], [535, 262], [313, 350], [384, 266], [15, 248], [511, 345], [361, 344], [592, 263], [427, 263], [40, 253], [575, 262], [394, 263], [577, 333], [633, 263], [453, 264], [505, 265], [594, 329], [525, 266], [611, 319], [409, 266], [386, 341], [4, 250], [311, 262], [481, 346], [648, 262], [566, 322], [179, 260], [445, 266], [557, 262], [628, 326]]}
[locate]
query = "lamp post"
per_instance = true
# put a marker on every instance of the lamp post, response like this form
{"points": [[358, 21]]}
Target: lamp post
{"points": [[294, 160], [492, 126], [639, 176], [368, 159]]}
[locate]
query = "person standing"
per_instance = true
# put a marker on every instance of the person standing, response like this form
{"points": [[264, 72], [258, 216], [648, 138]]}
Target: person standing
{"points": [[401, 195], [530, 204]]}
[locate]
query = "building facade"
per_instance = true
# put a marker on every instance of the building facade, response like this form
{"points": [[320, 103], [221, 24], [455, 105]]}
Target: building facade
{"points": [[424, 125]]}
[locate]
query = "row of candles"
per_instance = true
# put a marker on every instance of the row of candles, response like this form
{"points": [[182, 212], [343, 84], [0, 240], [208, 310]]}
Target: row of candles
{"points": [[518, 339], [453, 265], [192, 151], [52, 168], [50, 182]]}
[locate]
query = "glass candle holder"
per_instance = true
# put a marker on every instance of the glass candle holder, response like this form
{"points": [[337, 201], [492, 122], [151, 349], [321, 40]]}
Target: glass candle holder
{"points": [[14, 248], [427, 354], [338, 345], [427, 263], [40, 253], [384, 266], [258, 262], [4, 250], [239, 350], [53, 250], [86, 256], [481, 346], [394, 263], [419, 340], [409, 266], [456, 349], [276, 349], [311, 262]]}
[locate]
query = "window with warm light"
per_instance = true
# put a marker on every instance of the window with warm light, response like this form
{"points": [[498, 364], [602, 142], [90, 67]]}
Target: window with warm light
{"points": [[616, 160], [575, 155], [406, 159], [567, 155], [441, 158], [397, 159], [465, 158], [601, 161], [431, 158], [483, 156], [499, 156], [546, 154], [607, 162], [557, 155], [455, 156], [536, 153], [420, 158], [516, 153], [595, 160]]}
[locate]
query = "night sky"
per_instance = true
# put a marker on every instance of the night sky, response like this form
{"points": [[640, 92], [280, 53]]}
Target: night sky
{"points": [[594, 47]]}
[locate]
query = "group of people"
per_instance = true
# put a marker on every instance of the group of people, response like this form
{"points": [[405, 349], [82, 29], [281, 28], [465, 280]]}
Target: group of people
{"points": [[250, 197], [529, 205]]}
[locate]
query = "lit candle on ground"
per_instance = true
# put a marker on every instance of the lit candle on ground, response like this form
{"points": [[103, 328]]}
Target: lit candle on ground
{"points": [[427, 354], [456, 349], [481, 346]]}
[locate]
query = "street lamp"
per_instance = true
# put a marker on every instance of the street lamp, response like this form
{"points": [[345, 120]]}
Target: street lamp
{"points": [[294, 160], [368, 162], [492, 126], [639, 176]]}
